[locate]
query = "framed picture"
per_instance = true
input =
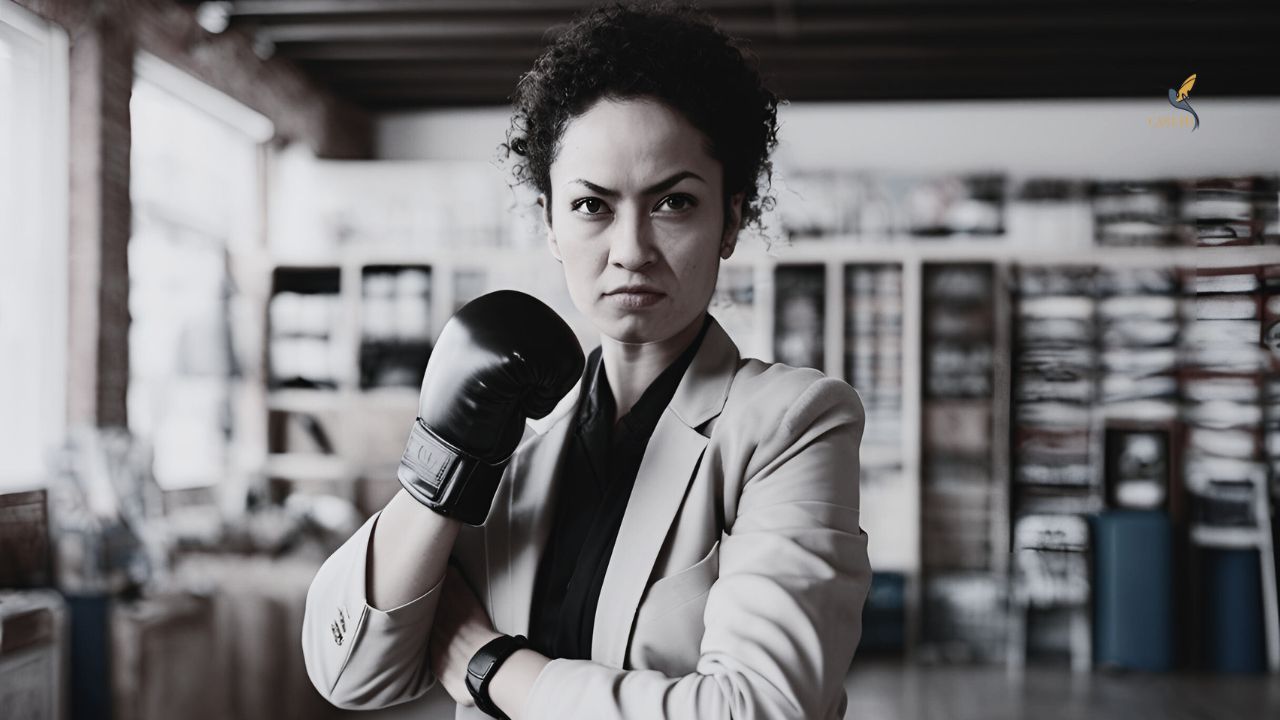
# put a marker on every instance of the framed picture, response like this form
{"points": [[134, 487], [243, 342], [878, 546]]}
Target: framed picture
{"points": [[1137, 467]]}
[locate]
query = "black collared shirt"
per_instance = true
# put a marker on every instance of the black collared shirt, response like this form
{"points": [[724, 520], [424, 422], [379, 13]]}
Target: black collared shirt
{"points": [[599, 471]]}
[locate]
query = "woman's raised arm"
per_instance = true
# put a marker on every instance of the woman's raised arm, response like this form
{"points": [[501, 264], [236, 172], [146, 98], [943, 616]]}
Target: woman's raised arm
{"points": [[502, 358]]}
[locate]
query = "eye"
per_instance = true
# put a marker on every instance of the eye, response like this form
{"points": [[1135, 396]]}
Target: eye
{"points": [[678, 202], [590, 206]]}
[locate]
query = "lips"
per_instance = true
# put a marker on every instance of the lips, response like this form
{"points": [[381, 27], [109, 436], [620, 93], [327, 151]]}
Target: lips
{"points": [[635, 289]]}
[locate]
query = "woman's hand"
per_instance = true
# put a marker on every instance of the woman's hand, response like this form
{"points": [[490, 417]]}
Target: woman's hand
{"points": [[460, 629]]}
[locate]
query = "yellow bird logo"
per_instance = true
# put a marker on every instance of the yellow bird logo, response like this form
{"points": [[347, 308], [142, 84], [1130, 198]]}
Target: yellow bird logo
{"points": [[1179, 99], [1186, 87]]}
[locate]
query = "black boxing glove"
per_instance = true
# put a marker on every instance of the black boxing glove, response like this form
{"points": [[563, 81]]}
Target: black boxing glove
{"points": [[502, 358]]}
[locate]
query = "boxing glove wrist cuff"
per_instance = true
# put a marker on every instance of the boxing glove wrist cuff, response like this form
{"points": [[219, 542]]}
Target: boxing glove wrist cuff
{"points": [[446, 478]]}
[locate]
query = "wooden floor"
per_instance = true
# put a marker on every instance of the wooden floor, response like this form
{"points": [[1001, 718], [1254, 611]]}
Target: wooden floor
{"points": [[897, 692], [891, 691]]}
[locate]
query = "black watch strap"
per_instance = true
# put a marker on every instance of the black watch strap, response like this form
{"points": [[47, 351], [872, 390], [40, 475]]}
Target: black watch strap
{"points": [[485, 663]]}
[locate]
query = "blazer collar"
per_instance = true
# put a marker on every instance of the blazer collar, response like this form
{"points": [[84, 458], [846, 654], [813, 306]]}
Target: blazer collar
{"points": [[520, 523], [700, 396]]}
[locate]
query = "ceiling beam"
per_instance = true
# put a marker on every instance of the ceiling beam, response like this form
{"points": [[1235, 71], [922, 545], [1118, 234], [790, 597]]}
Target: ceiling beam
{"points": [[427, 53], [845, 28]]}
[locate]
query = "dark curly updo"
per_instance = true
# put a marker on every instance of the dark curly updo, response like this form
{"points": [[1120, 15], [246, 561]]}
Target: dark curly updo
{"points": [[673, 53]]}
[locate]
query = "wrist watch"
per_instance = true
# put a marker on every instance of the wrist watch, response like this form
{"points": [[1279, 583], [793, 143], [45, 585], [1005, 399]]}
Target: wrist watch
{"points": [[484, 664]]}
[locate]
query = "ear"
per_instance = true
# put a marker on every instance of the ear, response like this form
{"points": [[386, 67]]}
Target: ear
{"points": [[546, 223], [729, 240]]}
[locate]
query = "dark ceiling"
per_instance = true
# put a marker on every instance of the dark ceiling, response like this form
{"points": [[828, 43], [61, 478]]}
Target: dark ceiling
{"points": [[400, 54]]}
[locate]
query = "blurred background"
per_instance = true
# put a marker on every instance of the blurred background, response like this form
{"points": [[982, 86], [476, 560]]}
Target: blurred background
{"points": [[1040, 238]]}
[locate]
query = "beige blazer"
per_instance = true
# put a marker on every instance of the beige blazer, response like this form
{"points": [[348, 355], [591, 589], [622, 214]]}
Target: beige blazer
{"points": [[735, 587]]}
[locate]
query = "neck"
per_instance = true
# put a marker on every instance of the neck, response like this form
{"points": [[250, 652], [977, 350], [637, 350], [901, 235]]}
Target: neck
{"points": [[632, 367]]}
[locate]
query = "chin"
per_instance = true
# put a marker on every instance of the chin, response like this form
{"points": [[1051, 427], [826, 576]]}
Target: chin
{"points": [[632, 327]]}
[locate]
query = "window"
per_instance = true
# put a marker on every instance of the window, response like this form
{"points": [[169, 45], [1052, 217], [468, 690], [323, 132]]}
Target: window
{"points": [[195, 187], [33, 245]]}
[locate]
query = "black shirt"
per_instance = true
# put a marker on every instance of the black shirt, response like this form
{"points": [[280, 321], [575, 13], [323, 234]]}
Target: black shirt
{"points": [[599, 470]]}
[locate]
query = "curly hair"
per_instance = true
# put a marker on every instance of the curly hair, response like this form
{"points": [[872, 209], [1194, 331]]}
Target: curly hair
{"points": [[673, 53]]}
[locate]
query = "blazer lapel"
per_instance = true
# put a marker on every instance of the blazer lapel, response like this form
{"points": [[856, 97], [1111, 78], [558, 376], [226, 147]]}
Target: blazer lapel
{"points": [[670, 460], [519, 525]]}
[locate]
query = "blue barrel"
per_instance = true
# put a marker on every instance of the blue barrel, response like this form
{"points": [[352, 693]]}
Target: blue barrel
{"points": [[1234, 631], [1133, 590]]}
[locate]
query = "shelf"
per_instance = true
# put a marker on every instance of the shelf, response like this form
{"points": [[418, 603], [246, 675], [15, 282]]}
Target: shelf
{"points": [[1008, 249], [1228, 537], [307, 467], [304, 401]]}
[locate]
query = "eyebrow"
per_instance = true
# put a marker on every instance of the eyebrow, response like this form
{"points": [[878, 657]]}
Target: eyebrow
{"points": [[655, 188]]}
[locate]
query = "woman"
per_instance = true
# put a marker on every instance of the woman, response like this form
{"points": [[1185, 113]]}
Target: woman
{"points": [[674, 535]]}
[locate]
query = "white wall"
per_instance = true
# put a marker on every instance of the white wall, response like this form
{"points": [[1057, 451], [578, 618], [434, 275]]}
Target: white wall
{"points": [[1096, 138]]}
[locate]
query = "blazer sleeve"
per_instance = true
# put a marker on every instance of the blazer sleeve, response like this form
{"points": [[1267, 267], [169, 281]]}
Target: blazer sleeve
{"points": [[783, 618], [357, 656]]}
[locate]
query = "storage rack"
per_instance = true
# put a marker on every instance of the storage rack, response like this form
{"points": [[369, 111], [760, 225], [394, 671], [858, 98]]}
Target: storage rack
{"points": [[370, 423]]}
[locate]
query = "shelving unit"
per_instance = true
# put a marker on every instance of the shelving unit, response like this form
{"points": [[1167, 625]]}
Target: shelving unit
{"points": [[756, 304]]}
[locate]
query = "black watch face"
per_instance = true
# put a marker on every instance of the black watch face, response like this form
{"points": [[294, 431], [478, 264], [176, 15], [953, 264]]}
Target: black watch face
{"points": [[480, 666]]}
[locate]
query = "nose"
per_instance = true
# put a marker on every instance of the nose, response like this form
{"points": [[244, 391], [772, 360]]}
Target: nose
{"points": [[631, 246]]}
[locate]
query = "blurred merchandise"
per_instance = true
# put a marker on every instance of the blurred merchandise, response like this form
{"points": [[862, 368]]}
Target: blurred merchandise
{"points": [[799, 316], [1051, 213], [1271, 390], [103, 497], [1055, 367], [1052, 560], [873, 364], [1233, 210], [1138, 213], [396, 337], [819, 203], [951, 206], [1139, 324], [1224, 323], [303, 324], [861, 206], [963, 512], [1228, 368], [1051, 582]]}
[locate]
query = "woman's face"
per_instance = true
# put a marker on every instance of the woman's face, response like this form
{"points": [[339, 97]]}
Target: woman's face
{"points": [[636, 199]]}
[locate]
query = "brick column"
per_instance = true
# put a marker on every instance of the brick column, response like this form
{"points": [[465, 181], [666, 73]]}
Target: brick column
{"points": [[101, 75]]}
